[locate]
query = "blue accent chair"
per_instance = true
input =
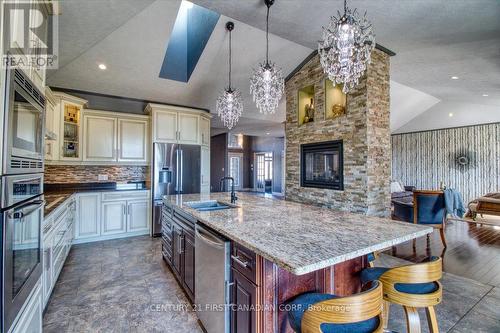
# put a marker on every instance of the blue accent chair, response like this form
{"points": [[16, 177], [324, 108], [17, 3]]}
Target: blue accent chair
{"points": [[412, 286], [428, 208], [325, 313]]}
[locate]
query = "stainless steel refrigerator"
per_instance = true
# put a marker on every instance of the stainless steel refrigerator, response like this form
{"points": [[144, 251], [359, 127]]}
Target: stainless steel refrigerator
{"points": [[176, 170]]}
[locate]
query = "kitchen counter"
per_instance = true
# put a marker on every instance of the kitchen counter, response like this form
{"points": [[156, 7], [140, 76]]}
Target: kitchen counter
{"points": [[56, 194], [297, 237]]}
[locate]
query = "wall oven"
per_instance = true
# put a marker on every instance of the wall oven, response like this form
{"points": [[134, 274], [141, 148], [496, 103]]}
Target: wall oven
{"points": [[23, 125], [21, 212]]}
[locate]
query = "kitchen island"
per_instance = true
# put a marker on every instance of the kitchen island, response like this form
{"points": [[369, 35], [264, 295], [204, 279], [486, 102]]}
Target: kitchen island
{"points": [[281, 249]]}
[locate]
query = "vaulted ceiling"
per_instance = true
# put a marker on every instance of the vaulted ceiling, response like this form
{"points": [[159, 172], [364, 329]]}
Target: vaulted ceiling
{"points": [[434, 40]]}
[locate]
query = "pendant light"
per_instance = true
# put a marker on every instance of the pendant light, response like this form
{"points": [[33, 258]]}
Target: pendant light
{"points": [[345, 50], [267, 84], [229, 104]]}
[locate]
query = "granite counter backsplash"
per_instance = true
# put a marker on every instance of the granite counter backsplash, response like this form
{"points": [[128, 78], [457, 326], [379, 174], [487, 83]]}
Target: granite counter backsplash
{"points": [[89, 173]]}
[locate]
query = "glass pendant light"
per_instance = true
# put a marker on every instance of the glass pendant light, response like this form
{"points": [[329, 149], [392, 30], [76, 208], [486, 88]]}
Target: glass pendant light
{"points": [[229, 104], [267, 83], [345, 50]]}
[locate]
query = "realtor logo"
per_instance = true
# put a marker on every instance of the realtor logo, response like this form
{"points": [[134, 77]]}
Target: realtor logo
{"points": [[29, 35]]}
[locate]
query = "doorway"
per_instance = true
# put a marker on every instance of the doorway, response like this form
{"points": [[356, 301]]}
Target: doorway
{"points": [[264, 172], [235, 167]]}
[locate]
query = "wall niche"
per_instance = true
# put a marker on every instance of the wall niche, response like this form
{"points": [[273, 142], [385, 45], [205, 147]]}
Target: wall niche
{"points": [[335, 100], [306, 105]]}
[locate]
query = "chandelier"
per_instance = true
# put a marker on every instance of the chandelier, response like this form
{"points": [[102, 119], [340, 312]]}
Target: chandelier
{"points": [[229, 104], [345, 50], [267, 83]]}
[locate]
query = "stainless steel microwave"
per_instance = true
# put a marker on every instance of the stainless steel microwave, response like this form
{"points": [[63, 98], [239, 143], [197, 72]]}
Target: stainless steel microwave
{"points": [[23, 125]]}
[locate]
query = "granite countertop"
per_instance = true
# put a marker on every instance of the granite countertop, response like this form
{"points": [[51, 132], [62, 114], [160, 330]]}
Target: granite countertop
{"points": [[56, 194], [297, 237]]}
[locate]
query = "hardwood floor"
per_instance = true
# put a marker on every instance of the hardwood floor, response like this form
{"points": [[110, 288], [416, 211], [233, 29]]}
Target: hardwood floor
{"points": [[473, 251]]}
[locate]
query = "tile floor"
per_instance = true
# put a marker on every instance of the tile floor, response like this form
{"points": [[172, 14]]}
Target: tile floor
{"points": [[115, 286]]}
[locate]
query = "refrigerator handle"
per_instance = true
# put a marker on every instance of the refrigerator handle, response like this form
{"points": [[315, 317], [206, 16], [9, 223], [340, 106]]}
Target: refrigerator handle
{"points": [[177, 171], [181, 169]]}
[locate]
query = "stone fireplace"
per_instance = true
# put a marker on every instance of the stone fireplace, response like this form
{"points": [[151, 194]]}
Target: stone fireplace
{"points": [[322, 165], [362, 127]]}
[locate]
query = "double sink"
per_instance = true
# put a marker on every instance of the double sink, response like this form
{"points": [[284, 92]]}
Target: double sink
{"points": [[209, 205]]}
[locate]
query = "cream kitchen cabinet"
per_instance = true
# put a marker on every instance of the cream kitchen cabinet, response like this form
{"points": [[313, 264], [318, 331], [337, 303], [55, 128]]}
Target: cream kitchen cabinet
{"points": [[138, 215], [51, 125], [188, 127], [114, 218], [67, 124], [205, 170], [165, 126], [31, 318], [204, 131], [173, 124], [133, 140], [99, 138], [88, 215], [125, 212]]}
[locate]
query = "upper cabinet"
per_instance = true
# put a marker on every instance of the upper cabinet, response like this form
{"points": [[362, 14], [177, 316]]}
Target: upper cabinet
{"points": [[99, 135], [113, 137], [67, 124], [172, 124], [188, 128], [205, 131], [77, 135], [132, 140]]}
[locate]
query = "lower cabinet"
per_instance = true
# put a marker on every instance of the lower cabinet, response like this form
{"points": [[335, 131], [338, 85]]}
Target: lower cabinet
{"points": [[180, 238], [243, 296], [110, 215], [88, 215], [30, 320], [114, 218], [138, 215]]}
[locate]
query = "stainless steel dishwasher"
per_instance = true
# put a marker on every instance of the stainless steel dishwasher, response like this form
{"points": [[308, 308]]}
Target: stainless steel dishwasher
{"points": [[212, 280]]}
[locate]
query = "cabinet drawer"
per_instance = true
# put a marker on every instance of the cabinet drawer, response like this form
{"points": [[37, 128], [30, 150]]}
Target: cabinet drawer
{"points": [[244, 261], [125, 195]]}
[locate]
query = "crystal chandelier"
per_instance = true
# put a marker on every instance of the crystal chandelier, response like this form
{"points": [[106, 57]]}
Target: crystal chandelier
{"points": [[345, 50], [229, 105], [267, 83]]}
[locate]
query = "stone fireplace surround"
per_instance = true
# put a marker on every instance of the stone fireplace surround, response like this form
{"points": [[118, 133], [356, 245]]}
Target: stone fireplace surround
{"points": [[364, 130]]}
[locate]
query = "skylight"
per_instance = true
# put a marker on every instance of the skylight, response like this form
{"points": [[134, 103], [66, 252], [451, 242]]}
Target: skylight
{"points": [[192, 30]]}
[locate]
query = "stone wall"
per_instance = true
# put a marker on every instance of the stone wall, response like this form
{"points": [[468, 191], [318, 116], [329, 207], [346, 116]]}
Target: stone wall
{"points": [[364, 130]]}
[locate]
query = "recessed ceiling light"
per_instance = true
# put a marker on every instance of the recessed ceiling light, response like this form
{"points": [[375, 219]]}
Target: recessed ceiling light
{"points": [[268, 133], [102, 66], [450, 114], [454, 77], [485, 95]]}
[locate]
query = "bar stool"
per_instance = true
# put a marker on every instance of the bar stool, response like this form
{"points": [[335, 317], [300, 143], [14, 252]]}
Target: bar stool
{"points": [[325, 313], [412, 286]]}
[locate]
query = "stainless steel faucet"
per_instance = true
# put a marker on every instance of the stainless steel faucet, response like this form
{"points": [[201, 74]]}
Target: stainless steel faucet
{"points": [[233, 194]]}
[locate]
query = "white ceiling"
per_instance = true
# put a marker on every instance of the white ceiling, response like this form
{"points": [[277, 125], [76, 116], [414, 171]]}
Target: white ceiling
{"points": [[433, 39]]}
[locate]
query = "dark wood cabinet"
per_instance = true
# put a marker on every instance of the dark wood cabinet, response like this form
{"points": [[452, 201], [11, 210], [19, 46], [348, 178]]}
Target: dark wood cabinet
{"points": [[244, 299], [178, 248], [178, 236], [188, 278]]}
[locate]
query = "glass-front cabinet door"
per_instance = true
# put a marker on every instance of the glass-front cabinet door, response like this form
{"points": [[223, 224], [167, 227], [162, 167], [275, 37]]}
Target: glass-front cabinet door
{"points": [[71, 131]]}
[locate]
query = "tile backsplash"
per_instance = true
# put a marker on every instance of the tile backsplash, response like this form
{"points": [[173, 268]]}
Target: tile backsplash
{"points": [[55, 174]]}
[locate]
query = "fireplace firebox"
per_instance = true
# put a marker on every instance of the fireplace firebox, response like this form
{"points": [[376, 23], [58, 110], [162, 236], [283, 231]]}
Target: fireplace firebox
{"points": [[322, 165]]}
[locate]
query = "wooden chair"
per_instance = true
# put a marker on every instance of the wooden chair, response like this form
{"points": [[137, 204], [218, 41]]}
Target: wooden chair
{"points": [[412, 286], [428, 208], [325, 313]]}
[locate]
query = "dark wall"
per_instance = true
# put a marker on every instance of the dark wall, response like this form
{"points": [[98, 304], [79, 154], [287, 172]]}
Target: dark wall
{"points": [[218, 160], [112, 103], [262, 144], [251, 145]]}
